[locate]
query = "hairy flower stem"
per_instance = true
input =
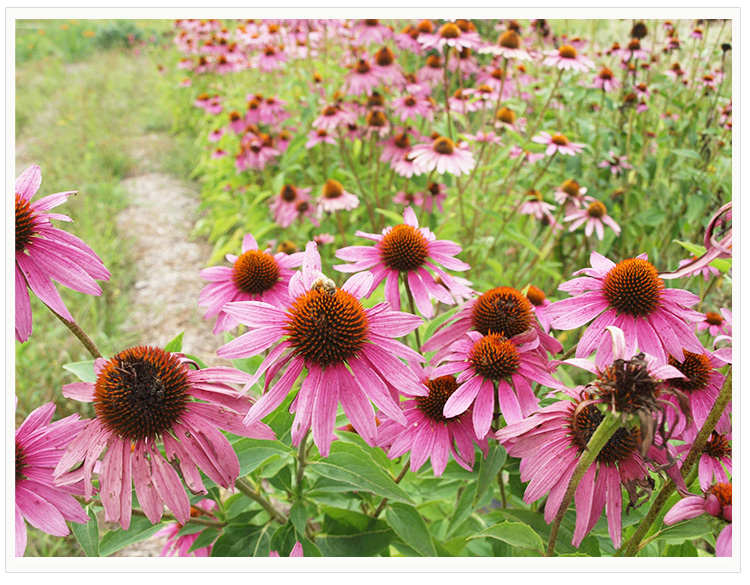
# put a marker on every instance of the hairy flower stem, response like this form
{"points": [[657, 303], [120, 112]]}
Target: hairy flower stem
{"points": [[401, 476], [632, 547], [445, 89], [301, 463], [244, 486], [368, 203], [540, 116], [80, 334], [598, 440]]}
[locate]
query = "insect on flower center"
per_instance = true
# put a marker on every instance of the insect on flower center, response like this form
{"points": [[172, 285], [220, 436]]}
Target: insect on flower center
{"points": [[403, 248], [714, 318], [440, 390], [24, 223], [718, 446], [618, 448], [597, 209], [633, 287], [509, 39], [333, 189], [568, 52], [502, 310], [560, 139], [443, 145], [141, 393], [449, 31], [696, 367], [326, 325], [494, 357]]}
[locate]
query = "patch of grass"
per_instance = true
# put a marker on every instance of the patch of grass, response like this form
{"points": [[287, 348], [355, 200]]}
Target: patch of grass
{"points": [[79, 122]]}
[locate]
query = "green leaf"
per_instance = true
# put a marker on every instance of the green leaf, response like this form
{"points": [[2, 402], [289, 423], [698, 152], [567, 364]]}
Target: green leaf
{"points": [[463, 510], [205, 538], [392, 215], [410, 527], [140, 529], [689, 530], [350, 464], [515, 534], [298, 516], [87, 534], [364, 544], [175, 344], [488, 470], [252, 453], [243, 541], [84, 370]]}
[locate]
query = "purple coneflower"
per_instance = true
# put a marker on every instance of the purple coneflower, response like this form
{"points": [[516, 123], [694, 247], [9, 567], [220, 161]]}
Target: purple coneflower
{"points": [[715, 463], [315, 137], [40, 444], [706, 271], [284, 206], [443, 155], [428, 434], [143, 396], [397, 146], [179, 544], [325, 329], [45, 253], [558, 143], [605, 80], [434, 196], [412, 106], [334, 198], [450, 34], [361, 79], [540, 303], [332, 117], [717, 324], [254, 275], [407, 251], [371, 32], [509, 45], [535, 205], [595, 217], [716, 501], [571, 194], [567, 57], [629, 295]]}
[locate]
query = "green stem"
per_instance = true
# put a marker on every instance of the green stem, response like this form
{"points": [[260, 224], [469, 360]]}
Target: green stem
{"points": [[80, 334], [301, 462], [401, 476], [598, 440], [632, 547], [244, 486], [412, 308]]}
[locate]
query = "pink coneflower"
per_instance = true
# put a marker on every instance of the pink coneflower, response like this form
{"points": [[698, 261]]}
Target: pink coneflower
{"points": [[494, 363], [487, 97], [633, 51], [509, 45], [717, 324], [451, 35], [143, 395], [715, 463], [540, 302], [414, 107], [407, 167], [255, 275], [615, 163], [385, 67], [285, 205], [334, 198], [550, 442], [333, 117], [716, 501], [215, 106], [407, 39], [595, 217], [407, 251], [527, 156], [179, 544], [428, 434], [297, 551], [464, 61], [323, 239], [434, 196], [376, 123], [503, 310], [571, 194], [461, 101], [605, 80], [315, 137], [629, 295], [567, 57], [272, 111], [407, 198], [485, 138], [215, 135], [40, 444], [535, 205], [493, 77], [701, 385], [219, 153], [326, 329], [45, 253], [271, 58], [432, 72], [444, 156], [361, 79], [397, 146], [371, 32], [558, 143]]}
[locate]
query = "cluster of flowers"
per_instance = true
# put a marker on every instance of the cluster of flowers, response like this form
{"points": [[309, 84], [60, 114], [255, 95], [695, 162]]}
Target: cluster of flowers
{"points": [[153, 407]]}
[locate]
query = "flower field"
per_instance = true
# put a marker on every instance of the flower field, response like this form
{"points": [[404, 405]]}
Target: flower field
{"points": [[374, 288]]}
